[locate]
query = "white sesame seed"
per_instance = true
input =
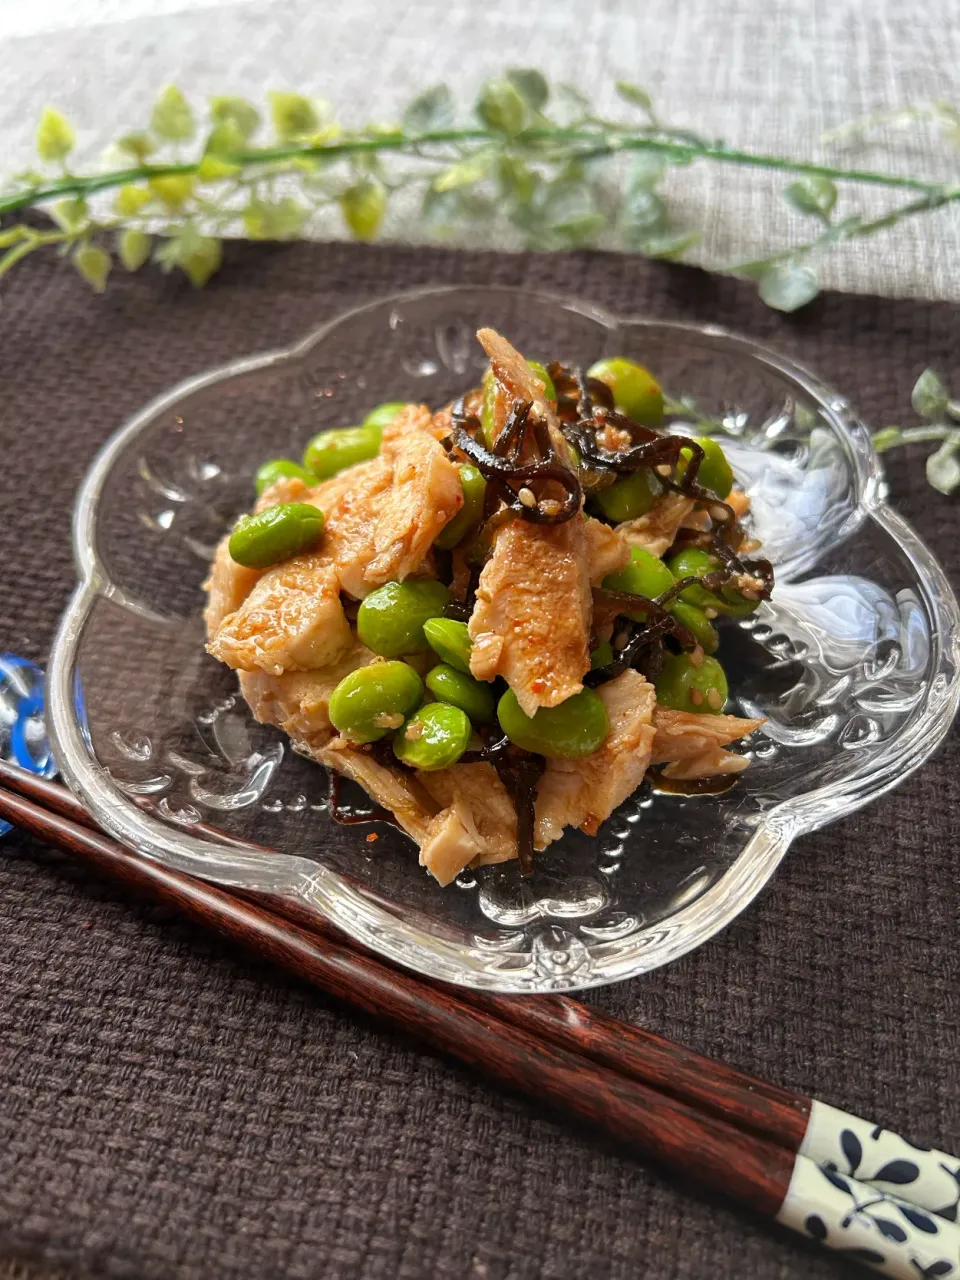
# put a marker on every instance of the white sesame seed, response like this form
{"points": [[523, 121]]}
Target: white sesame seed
{"points": [[696, 697], [664, 469], [527, 497], [710, 613], [713, 697], [388, 720], [696, 657]]}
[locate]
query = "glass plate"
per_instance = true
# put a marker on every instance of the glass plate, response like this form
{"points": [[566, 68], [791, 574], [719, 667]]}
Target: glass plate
{"points": [[854, 662]]}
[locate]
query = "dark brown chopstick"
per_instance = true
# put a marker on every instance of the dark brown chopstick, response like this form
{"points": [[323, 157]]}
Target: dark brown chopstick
{"points": [[711, 1086], [741, 1165]]}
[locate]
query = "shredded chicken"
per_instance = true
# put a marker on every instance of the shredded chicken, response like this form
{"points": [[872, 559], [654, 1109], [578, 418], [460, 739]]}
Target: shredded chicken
{"points": [[656, 530], [447, 835], [583, 793], [517, 381], [531, 621], [229, 583], [607, 550], [298, 701], [424, 495], [691, 743], [227, 586], [477, 791], [738, 501], [292, 620]]}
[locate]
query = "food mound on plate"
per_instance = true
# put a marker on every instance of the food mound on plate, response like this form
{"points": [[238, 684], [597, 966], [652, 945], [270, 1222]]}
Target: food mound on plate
{"points": [[499, 616]]}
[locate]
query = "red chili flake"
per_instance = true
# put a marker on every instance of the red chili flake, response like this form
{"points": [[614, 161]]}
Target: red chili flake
{"points": [[371, 837], [537, 686]]}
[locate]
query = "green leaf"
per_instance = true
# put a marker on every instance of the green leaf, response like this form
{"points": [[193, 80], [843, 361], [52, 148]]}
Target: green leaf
{"points": [[634, 94], [887, 438], [242, 116], [531, 86], [812, 194], [668, 245], [93, 263], [754, 270], [137, 145], [517, 180], [432, 110], [943, 466], [130, 200], [646, 171], [294, 117], [788, 288], [363, 206], [569, 211], [133, 247], [441, 211], [172, 118], [213, 169], [274, 219], [71, 214], [224, 139], [465, 172], [501, 107], [55, 138], [172, 188], [197, 256], [642, 215], [929, 397]]}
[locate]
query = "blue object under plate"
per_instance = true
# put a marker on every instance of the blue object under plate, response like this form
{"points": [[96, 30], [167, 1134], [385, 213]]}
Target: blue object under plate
{"points": [[23, 733]]}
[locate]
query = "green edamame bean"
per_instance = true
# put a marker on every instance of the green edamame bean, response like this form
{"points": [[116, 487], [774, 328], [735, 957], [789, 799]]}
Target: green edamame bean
{"points": [[450, 641], [645, 575], [281, 468], [384, 414], [474, 489], [488, 389], [549, 390], [698, 624], [435, 738], [636, 392], [340, 447], [374, 700], [447, 684], [627, 498], [577, 727], [602, 655], [715, 471], [275, 534], [390, 620], [686, 686], [696, 563]]}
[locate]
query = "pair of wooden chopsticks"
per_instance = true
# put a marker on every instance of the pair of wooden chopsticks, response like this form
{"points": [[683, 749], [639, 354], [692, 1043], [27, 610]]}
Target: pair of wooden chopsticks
{"points": [[827, 1174]]}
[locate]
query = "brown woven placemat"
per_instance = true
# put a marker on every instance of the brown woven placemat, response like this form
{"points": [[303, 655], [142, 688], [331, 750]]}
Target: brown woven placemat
{"points": [[169, 1109]]}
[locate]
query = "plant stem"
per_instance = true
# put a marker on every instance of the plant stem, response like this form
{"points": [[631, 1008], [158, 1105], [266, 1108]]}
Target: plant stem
{"points": [[530, 139], [896, 437]]}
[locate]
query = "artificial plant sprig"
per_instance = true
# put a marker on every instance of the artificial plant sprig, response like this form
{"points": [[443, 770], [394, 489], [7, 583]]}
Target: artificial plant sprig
{"points": [[931, 401], [538, 163]]}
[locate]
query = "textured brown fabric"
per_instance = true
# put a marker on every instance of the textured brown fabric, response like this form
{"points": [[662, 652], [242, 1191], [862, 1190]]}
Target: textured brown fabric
{"points": [[169, 1109]]}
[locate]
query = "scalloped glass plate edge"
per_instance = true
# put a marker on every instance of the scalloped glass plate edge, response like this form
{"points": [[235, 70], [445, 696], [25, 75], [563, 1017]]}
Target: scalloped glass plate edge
{"points": [[500, 968]]}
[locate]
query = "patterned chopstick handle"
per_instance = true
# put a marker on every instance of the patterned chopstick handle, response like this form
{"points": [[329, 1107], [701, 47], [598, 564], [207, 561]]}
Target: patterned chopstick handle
{"points": [[879, 1158], [869, 1225]]}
